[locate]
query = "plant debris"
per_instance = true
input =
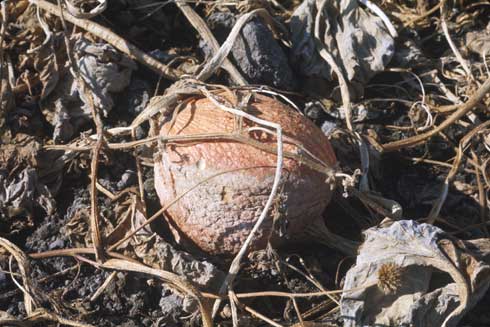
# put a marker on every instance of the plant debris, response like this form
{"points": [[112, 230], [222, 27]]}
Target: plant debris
{"points": [[413, 262], [125, 126]]}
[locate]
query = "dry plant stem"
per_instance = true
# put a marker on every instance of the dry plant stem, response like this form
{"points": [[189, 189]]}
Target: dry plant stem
{"points": [[453, 47], [311, 280], [481, 193], [102, 287], [282, 96], [38, 317], [31, 303], [289, 295], [484, 172], [94, 212], [3, 8], [110, 37], [233, 305], [316, 310], [40, 280], [94, 215], [434, 213], [128, 264], [42, 315], [375, 9], [185, 139], [14, 280], [105, 191], [261, 316], [235, 264], [203, 30], [164, 105], [221, 54], [69, 53], [73, 252], [323, 235], [76, 11], [139, 172], [426, 14], [298, 312], [344, 88], [21, 258], [175, 280], [417, 160], [286, 280], [463, 110], [437, 206], [415, 76]]}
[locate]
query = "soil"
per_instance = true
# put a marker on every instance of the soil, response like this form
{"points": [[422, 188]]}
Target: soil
{"points": [[67, 284]]}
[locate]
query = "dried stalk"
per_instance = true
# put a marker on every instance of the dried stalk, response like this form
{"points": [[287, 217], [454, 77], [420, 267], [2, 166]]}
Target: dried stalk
{"points": [[102, 287], [208, 37], [115, 40], [3, 8], [175, 280], [309, 277], [481, 192], [453, 47], [186, 139], [220, 56], [463, 110], [436, 208], [374, 8], [77, 12], [123, 263], [424, 15], [41, 315], [344, 88], [287, 294], [30, 300], [261, 316], [94, 166], [73, 252], [94, 213]]}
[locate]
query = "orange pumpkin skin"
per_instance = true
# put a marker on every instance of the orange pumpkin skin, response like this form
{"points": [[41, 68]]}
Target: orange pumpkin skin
{"points": [[218, 215]]}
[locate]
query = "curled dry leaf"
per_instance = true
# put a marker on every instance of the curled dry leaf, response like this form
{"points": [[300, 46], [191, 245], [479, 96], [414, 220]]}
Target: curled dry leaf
{"points": [[104, 69], [39, 63], [425, 294], [23, 181], [219, 214], [161, 255], [357, 40], [478, 41], [85, 8]]}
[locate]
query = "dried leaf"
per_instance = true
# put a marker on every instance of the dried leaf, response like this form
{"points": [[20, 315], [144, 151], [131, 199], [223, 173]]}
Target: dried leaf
{"points": [[105, 70], [358, 41], [159, 254], [29, 177], [429, 259]]}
